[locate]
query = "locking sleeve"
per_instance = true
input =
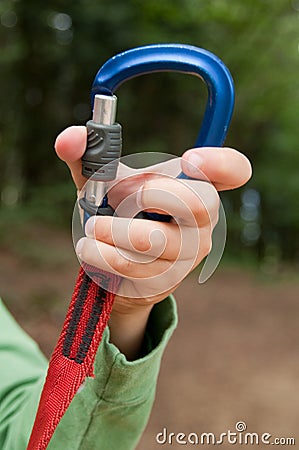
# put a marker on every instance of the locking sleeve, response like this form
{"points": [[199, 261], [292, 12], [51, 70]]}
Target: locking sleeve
{"points": [[103, 151]]}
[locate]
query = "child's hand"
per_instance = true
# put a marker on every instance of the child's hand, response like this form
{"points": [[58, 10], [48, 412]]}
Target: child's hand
{"points": [[153, 257], [226, 168]]}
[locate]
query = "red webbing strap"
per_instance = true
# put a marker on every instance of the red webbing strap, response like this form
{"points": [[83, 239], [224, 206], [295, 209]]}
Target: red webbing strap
{"points": [[73, 357]]}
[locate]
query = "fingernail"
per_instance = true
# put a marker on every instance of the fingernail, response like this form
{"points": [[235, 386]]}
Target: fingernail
{"points": [[195, 163], [90, 226]]}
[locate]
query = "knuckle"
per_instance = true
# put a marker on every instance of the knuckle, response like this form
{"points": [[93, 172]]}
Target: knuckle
{"points": [[102, 230], [205, 244], [215, 218], [104, 234], [213, 197], [210, 204], [206, 247], [204, 203], [141, 242]]}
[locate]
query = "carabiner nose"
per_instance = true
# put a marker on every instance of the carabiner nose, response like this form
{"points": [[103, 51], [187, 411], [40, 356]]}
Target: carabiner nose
{"points": [[177, 58]]}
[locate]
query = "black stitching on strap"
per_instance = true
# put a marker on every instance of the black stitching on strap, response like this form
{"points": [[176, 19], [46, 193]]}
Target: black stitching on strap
{"points": [[76, 315], [93, 320]]}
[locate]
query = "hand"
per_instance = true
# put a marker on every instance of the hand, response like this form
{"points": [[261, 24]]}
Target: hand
{"points": [[121, 242], [226, 168]]}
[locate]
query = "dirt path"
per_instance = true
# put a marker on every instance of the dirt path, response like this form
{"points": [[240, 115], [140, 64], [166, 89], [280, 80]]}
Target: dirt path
{"points": [[234, 357]]}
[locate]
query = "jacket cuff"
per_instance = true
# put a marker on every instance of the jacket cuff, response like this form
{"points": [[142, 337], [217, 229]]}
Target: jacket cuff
{"points": [[131, 381]]}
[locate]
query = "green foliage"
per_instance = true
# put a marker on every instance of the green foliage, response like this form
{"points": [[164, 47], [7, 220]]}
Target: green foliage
{"points": [[50, 52]]}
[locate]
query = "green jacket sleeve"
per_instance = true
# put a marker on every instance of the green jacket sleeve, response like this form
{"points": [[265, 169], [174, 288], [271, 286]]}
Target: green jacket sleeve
{"points": [[110, 409]]}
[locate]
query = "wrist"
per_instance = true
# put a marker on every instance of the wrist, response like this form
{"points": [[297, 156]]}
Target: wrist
{"points": [[127, 327]]}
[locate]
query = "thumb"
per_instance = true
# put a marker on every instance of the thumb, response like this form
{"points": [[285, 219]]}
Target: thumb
{"points": [[70, 146]]}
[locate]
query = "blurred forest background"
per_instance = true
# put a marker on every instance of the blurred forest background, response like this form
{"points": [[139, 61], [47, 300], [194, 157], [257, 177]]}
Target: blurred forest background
{"points": [[50, 53]]}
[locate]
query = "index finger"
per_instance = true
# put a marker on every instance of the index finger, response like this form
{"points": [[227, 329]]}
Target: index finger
{"points": [[226, 168], [193, 203]]}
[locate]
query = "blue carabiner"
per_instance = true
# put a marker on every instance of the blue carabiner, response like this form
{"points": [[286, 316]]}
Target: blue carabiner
{"points": [[177, 58]]}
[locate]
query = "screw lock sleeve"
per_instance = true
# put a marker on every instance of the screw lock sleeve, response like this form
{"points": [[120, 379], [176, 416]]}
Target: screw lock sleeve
{"points": [[103, 151]]}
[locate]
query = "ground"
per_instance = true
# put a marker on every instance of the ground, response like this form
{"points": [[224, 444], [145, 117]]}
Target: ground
{"points": [[233, 357]]}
